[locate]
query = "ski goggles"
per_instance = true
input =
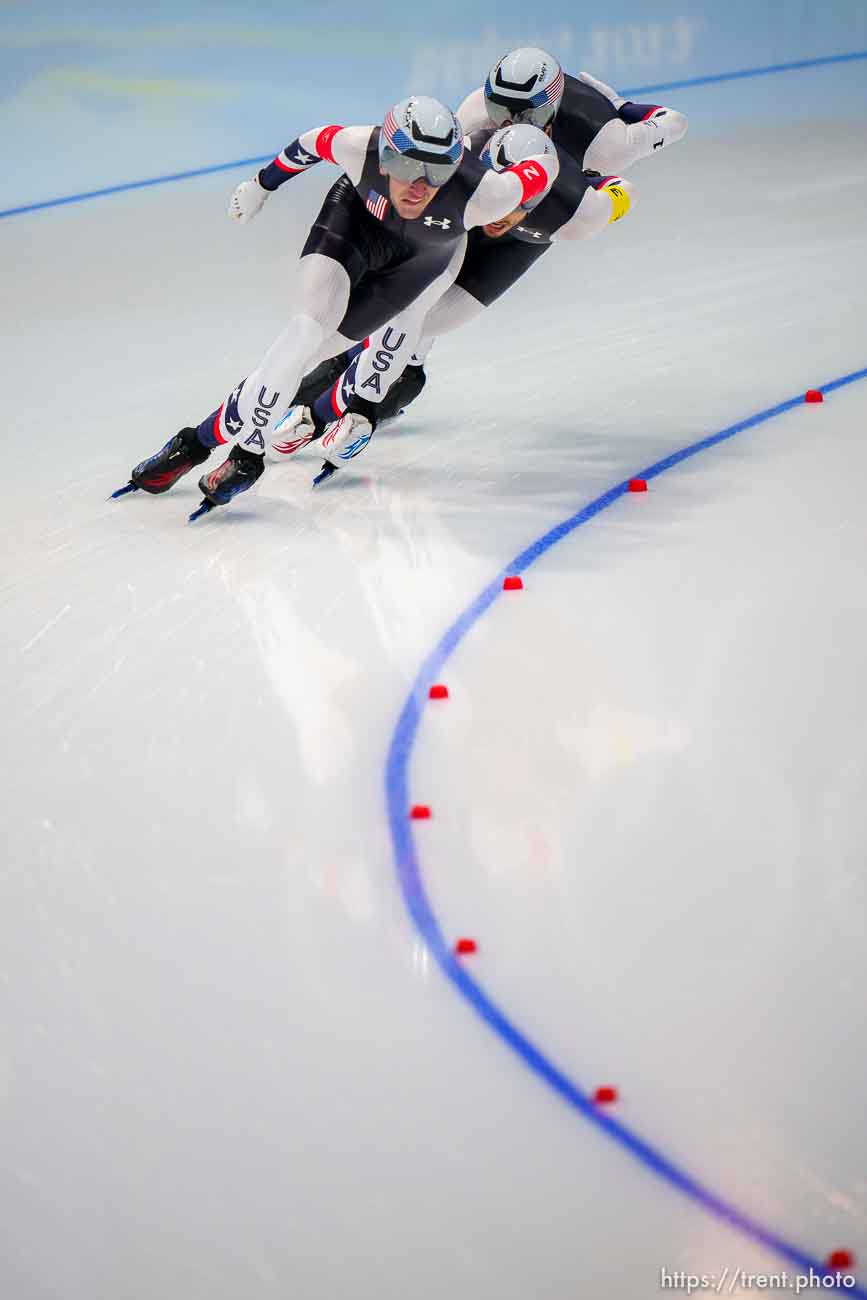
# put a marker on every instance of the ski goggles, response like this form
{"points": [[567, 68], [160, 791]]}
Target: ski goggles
{"points": [[406, 168], [502, 113]]}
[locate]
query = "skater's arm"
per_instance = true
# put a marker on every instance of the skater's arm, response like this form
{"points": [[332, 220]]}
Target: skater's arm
{"points": [[606, 199], [500, 193], [343, 145], [609, 92], [473, 112]]}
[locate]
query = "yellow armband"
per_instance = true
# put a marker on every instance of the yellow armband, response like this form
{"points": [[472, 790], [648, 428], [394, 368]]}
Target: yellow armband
{"points": [[620, 200]]}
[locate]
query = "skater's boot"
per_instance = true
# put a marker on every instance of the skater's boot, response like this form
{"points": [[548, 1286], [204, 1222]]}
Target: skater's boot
{"points": [[162, 470], [239, 471], [402, 393]]}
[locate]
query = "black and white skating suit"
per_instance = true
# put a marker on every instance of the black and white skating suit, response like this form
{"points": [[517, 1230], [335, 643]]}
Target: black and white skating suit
{"points": [[362, 264]]}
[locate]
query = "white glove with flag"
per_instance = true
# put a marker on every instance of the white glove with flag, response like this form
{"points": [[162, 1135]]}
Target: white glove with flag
{"points": [[247, 200]]}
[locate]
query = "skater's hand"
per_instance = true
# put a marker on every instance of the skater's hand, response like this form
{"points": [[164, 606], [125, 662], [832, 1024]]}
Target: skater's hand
{"points": [[247, 200]]}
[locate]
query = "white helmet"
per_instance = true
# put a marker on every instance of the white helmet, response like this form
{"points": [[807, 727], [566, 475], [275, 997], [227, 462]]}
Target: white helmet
{"points": [[421, 139], [512, 144], [526, 85]]}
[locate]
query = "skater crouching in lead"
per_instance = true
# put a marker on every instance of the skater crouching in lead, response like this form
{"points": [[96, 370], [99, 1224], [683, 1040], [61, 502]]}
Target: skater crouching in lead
{"points": [[369, 255]]}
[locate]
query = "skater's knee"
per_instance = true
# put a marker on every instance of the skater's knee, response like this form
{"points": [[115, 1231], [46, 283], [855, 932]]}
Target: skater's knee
{"points": [[298, 342], [323, 289]]}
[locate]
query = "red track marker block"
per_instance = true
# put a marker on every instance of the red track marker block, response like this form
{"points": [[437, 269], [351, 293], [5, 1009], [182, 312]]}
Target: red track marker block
{"points": [[438, 692], [637, 485], [420, 812], [465, 947], [814, 395], [841, 1261], [513, 583], [605, 1096]]}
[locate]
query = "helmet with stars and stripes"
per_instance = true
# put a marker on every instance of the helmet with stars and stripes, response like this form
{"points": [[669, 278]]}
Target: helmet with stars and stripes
{"points": [[525, 85], [421, 139]]}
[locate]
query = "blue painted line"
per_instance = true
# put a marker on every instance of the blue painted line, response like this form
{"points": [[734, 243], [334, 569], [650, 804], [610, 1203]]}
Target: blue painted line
{"points": [[136, 185], [250, 162], [768, 71], [418, 904]]}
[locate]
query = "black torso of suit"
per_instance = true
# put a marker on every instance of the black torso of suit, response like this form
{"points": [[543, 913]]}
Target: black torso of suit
{"points": [[389, 260]]}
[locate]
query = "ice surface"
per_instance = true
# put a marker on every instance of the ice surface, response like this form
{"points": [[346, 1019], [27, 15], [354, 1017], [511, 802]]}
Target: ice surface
{"points": [[230, 1068]]}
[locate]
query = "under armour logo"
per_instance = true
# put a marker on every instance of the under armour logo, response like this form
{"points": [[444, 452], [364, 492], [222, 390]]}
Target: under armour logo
{"points": [[535, 234], [445, 222]]}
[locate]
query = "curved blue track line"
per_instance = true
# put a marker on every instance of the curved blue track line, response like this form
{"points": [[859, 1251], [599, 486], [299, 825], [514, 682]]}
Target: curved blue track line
{"points": [[418, 904], [250, 162]]}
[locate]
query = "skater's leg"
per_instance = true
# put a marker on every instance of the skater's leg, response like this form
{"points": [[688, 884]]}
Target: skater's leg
{"points": [[604, 89], [253, 409], [487, 271], [323, 375], [349, 411], [622, 142], [297, 428], [454, 309], [637, 131], [366, 382], [457, 307], [335, 257]]}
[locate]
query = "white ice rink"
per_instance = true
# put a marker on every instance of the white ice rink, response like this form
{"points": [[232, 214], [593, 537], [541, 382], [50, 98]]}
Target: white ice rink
{"points": [[233, 1067]]}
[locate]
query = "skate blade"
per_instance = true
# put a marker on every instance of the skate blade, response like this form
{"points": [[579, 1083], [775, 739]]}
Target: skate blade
{"points": [[121, 492], [203, 509], [325, 473]]}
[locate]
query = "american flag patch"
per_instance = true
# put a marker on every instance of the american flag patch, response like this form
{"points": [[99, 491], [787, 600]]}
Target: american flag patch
{"points": [[376, 204]]}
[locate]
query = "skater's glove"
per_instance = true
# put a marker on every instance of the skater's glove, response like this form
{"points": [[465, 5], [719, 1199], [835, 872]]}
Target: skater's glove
{"points": [[247, 200]]}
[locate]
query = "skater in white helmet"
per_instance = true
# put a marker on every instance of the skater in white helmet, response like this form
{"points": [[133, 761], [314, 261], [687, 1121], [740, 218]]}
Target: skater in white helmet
{"points": [[598, 135], [585, 118], [370, 254], [385, 373]]}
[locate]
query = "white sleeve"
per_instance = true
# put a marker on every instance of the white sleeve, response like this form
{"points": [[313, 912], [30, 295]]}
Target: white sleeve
{"points": [[473, 112], [349, 149], [598, 209], [343, 145], [499, 193]]}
